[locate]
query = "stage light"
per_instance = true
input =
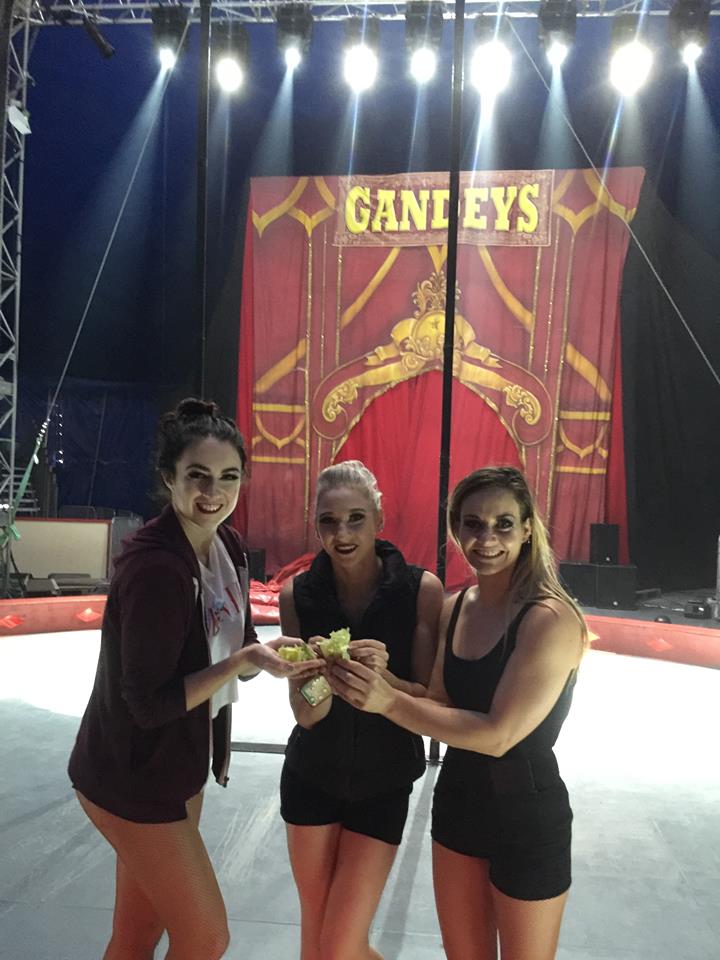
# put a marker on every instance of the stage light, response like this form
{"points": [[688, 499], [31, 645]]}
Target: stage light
{"points": [[293, 58], [230, 50], [632, 60], [105, 49], [362, 41], [557, 23], [167, 58], [19, 117], [228, 74], [491, 64], [294, 32], [423, 65], [691, 53], [423, 35], [630, 67], [557, 53], [169, 34], [688, 26]]}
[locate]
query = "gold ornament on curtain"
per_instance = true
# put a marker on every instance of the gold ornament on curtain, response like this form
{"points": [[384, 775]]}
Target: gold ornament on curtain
{"points": [[416, 346]]}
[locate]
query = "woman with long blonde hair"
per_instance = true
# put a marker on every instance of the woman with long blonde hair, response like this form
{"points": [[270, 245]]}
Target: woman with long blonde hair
{"points": [[509, 650]]}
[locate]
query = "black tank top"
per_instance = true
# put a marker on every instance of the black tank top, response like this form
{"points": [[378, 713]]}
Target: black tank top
{"points": [[471, 685], [350, 754]]}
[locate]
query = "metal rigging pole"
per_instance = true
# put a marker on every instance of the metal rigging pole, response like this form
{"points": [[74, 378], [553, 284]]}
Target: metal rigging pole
{"points": [[14, 52]]}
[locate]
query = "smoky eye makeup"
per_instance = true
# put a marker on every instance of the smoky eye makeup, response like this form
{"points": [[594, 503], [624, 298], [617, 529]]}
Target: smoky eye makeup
{"points": [[504, 522], [354, 518]]}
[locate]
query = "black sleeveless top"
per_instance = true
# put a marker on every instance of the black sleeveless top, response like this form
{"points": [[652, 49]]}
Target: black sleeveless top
{"points": [[471, 685], [350, 754]]}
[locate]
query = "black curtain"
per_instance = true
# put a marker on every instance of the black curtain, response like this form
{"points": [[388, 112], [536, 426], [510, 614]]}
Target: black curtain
{"points": [[671, 402]]}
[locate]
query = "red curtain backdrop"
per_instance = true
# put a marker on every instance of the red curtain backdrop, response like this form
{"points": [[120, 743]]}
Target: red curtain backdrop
{"points": [[340, 358]]}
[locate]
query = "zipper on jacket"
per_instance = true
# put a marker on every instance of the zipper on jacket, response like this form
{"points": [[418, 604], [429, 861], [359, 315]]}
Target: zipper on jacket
{"points": [[201, 601], [223, 778]]}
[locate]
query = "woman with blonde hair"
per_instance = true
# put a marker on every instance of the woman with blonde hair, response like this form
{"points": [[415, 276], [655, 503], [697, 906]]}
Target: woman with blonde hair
{"points": [[509, 650], [348, 775]]}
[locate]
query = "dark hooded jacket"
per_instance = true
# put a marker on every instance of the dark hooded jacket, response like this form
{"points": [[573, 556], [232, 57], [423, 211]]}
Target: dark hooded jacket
{"points": [[140, 753]]}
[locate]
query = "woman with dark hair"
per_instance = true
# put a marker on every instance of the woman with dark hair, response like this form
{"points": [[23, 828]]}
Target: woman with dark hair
{"points": [[348, 776], [175, 637], [509, 650]]}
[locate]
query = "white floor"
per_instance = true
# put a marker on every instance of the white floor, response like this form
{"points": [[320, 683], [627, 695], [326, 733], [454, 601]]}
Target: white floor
{"points": [[639, 754]]}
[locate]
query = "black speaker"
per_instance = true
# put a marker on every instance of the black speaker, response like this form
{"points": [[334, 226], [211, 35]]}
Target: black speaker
{"points": [[616, 586], [697, 610], [257, 564], [604, 540], [41, 587], [580, 581]]}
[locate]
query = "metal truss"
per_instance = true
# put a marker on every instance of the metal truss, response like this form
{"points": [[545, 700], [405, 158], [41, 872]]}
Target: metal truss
{"points": [[11, 218], [264, 11]]}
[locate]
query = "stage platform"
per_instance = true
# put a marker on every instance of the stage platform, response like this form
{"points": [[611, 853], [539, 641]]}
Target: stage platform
{"points": [[636, 753], [632, 632], [638, 633]]}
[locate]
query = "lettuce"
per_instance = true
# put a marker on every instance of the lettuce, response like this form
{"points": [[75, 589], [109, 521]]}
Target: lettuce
{"points": [[294, 653], [336, 645]]}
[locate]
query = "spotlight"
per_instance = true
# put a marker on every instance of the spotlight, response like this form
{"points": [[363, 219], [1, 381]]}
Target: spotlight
{"points": [[167, 58], [230, 48], [423, 35], [294, 32], [558, 20], [632, 60], [556, 53], [229, 74], [423, 65], [691, 53], [688, 28], [19, 117], [362, 42], [169, 34], [293, 58], [91, 29], [491, 63]]}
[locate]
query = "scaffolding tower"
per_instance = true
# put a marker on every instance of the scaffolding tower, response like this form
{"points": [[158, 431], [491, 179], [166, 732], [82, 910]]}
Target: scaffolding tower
{"points": [[15, 35]]}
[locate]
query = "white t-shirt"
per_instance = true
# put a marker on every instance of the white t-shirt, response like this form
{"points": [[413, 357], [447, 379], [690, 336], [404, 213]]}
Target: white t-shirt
{"points": [[224, 598]]}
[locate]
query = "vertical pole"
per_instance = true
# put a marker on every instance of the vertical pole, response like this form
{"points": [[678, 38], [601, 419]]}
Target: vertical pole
{"points": [[6, 11], [14, 55], [716, 604], [451, 276], [202, 167], [6, 16]]}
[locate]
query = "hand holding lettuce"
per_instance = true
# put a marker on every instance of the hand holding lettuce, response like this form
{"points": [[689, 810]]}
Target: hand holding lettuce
{"points": [[334, 647]]}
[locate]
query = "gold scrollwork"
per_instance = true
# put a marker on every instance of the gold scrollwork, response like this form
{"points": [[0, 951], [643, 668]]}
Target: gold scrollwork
{"points": [[416, 345], [527, 403], [345, 393]]}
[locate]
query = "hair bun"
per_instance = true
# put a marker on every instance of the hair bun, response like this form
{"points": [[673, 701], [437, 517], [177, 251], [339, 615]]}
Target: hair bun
{"points": [[191, 408]]}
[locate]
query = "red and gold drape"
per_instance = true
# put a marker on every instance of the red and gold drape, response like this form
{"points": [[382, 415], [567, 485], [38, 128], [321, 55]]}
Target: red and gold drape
{"points": [[341, 357]]}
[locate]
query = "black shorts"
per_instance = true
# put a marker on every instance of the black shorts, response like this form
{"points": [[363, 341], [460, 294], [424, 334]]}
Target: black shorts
{"points": [[305, 805], [525, 834]]}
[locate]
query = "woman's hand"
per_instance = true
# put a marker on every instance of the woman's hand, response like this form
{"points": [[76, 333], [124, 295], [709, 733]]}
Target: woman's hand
{"points": [[372, 653], [264, 656], [361, 686]]}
